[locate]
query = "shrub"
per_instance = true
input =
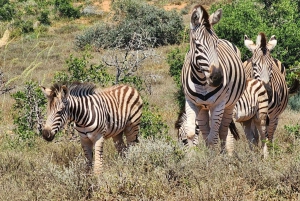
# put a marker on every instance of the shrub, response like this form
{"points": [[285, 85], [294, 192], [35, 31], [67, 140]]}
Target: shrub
{"points": [[160, 27], [65, 9]]}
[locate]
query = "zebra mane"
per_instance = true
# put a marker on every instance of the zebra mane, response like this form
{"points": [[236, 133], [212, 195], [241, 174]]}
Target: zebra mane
{"points": [[263, 42], [77, 88], [205, 15]]}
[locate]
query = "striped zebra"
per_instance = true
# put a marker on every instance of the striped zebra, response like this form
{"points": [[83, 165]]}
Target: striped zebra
{"points": [[213, 79], [97, 114], [250, 110], [264, 67]]}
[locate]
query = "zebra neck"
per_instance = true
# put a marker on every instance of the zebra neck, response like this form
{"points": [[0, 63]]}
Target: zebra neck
{"points": [[80, 109]]}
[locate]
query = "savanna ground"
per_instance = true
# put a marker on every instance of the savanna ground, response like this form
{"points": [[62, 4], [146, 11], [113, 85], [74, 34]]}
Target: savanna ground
{"points": [[152, 170]]}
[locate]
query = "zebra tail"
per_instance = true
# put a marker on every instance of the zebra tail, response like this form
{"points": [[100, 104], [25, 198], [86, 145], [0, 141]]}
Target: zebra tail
{"points": [[234, 130], [295, 87]]}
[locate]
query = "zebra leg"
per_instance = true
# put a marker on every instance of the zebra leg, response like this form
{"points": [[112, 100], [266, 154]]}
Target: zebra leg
{"points": [[87, 146], [215, 123], [98, 166], [223, 129], [119, 144], [271, 128], [262, 129], [190, 127], [203, 123], [131, 132], [248, 131]]}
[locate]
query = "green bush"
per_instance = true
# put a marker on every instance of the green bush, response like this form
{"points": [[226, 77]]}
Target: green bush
{"points": [[152, 125], [159, 27], [28, 108], [65, 9], [175, 59], [79, 71], [280, 18]]}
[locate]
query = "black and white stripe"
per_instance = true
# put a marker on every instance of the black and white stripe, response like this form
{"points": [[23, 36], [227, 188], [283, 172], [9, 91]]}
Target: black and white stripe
{"points": [[213, 79], [97, 114]]}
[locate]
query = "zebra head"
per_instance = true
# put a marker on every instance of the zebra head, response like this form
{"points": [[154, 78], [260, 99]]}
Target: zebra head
{"points": [[261, 59], [57, 111], [203, 42]]}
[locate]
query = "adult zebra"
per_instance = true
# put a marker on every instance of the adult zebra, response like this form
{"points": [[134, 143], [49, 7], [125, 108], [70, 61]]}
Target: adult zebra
{"points": [[212, 77], [264, 67], [98, 115]]}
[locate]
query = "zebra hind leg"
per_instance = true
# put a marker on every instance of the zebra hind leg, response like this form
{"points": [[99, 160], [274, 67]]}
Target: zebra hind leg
{"points": [[87, 146], [119, 144]]}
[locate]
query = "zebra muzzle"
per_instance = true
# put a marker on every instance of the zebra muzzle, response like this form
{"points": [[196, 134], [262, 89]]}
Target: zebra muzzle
{"points": [[47, 134]]}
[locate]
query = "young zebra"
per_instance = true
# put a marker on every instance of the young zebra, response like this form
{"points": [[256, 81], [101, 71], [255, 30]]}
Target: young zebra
{"points": [[264, 67], [250, 110], [97, 114], [213, 79]]}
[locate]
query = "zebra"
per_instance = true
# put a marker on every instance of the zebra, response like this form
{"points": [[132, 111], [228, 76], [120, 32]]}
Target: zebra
{"points": [[264, 67], [250, 110], [213, 79], [98, 114]]}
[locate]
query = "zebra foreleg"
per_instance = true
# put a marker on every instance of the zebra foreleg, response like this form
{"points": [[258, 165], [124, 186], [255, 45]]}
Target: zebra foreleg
{"points": [[215, 123], [223, 130], [190, 127], [87, 146], [203, 123], [98, 165]]}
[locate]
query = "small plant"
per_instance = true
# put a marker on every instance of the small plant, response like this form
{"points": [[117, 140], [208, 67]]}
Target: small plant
{"points": [[293, 130], [44, 18]]}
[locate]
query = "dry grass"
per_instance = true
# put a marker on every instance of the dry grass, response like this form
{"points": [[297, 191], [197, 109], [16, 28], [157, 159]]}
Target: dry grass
{"points": [[152, 170]]}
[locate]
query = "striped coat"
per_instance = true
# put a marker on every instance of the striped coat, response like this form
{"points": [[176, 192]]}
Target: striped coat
{"points": [[97, 114], [213, 79]]}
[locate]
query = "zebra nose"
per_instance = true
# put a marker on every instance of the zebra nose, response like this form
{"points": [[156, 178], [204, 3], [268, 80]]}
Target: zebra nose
{"points": [[47, 135], [216, 76]]}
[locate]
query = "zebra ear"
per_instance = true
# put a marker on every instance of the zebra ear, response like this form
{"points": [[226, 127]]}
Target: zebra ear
{"points": [[216, 16], [64, 92], [272, 43], [46, 91], [249, 43]]}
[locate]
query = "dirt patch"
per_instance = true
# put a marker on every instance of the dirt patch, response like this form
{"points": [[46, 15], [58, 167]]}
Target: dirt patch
{"points": [[173, 6], [105, 5]]}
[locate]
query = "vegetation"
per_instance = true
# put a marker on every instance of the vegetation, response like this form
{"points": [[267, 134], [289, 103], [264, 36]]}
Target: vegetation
{"points": [[157, 168]]}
